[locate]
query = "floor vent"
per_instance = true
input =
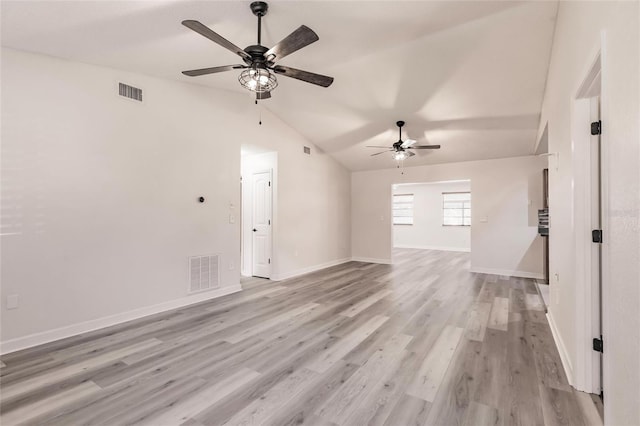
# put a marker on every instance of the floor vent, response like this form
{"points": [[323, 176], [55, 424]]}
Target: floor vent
{"points": [[204, 273], [130, 92]]}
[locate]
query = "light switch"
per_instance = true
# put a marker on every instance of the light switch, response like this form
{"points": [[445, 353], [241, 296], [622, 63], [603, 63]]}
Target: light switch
{"points": [[232, 219]]}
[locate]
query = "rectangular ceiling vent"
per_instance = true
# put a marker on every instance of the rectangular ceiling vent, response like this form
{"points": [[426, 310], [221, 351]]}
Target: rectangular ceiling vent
{"points": [[307, 150], [130, 92], [204, 273]]}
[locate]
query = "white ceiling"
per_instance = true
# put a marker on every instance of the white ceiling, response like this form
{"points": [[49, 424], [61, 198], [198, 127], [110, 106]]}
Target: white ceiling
{"points": [[469, 76]]}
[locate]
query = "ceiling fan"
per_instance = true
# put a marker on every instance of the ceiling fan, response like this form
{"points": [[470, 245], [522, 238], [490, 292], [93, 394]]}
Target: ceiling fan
{"points": [[259, 69], [401, 149]]}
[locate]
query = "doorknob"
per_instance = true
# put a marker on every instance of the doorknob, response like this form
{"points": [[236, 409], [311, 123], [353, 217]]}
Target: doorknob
{"points": [[255, 230]]}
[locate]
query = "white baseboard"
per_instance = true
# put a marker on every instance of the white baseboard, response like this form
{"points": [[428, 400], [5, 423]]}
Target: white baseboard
{"points": [[302, 271], [507, 273], [562, 349], [96, 324], [459, 249], [371, 260]]}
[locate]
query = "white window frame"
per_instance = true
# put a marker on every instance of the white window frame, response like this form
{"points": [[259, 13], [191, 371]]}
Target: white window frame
{"points": [[466, 207], [405, 205]]}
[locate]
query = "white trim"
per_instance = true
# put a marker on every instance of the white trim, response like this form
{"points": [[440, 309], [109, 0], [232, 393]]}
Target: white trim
{"points": [[303, 271], [409, 246], [96, 324], [562, 349], [508, 273], [371, 260]]}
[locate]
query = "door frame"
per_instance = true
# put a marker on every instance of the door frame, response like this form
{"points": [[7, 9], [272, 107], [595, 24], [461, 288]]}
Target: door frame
{"points": [[591, 320]]}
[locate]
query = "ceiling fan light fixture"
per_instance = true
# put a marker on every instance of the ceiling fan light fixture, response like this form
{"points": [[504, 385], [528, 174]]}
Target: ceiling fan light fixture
{"points": [[258, 80], [400, 155]]}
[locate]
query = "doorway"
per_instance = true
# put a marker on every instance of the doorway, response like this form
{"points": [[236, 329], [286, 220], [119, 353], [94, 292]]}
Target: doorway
{"points": [[431, 216], [259, 192]]}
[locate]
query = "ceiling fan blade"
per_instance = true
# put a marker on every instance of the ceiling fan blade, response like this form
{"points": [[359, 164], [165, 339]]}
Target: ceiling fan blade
{"points": [[309, 77], [212, 70], [408, 143], [410, 154], [375, 146], [262, 95], [298, 39], [205, 31], [424, 147], [381, 152]]}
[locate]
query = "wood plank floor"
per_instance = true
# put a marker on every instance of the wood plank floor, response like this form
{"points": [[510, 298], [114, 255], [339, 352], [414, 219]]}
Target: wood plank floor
{"points": [[422, 341]]}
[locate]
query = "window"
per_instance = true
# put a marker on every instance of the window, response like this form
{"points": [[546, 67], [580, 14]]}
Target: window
{"points": [[403, 209], [456, 208]]}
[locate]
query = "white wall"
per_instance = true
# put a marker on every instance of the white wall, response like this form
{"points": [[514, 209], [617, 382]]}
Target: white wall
{"points": [[99, 210], [580, 28], [506, 192], [314, 205], [427, 231]]}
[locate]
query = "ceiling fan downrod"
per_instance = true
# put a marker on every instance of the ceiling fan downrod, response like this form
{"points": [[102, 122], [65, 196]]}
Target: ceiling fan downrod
{"points": [[400, 124], [259, 8]]}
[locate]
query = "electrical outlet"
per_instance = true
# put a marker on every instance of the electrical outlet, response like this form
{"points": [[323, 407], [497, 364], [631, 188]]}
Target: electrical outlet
{"points": [[12, 301]]}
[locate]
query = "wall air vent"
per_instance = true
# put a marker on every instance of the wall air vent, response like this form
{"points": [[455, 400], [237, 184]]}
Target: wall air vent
{"points": [[204, 273], [130, 92], [307, 150]]}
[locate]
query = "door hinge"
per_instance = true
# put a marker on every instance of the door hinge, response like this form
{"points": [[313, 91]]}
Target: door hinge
{"points": [[598, 345], [269, 222], [596, 127], [269, 261], [269, 183], [596, 235]]}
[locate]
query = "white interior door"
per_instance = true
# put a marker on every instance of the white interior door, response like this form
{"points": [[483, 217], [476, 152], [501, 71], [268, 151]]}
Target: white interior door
{"points": [[261, 220]]}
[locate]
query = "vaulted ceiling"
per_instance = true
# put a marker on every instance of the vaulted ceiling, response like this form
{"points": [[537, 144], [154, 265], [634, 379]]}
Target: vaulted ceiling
{"points": [[469, 76]]}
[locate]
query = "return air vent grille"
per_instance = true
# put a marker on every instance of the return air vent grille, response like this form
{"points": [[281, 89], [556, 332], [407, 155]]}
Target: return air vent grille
{"points": [[307, 150], [204, 273], [130, 92]]}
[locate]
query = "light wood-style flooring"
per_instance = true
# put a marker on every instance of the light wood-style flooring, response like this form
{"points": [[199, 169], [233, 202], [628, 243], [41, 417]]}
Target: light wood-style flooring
{"points": [[422, 341]]}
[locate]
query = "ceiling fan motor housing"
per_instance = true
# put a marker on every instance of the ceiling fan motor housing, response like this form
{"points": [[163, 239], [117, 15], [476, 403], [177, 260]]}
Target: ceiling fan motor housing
{"points": [[259, 8], [256, 52]]}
